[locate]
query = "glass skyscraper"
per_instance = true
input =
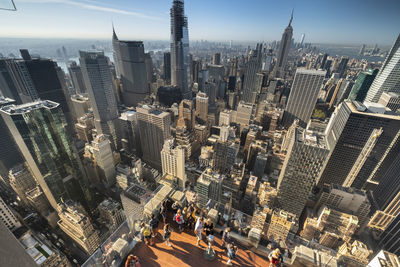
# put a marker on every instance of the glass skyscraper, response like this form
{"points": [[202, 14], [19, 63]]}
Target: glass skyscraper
{"points": [[39, 131], [180, 71]]}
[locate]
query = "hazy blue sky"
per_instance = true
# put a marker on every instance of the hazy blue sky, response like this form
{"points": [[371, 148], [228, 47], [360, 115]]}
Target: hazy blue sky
{"points": [[323, 21]]}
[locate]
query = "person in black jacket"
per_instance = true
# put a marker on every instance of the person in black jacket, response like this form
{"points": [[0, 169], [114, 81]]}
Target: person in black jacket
{"points": [[209, 227]]}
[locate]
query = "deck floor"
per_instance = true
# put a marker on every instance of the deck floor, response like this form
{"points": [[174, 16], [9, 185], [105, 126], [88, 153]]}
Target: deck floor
{"points": [[184, 252]]}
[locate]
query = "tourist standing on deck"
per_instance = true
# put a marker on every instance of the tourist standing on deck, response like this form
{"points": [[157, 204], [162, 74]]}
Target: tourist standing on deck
{"points": [[209, 228], [226, 236], [153, 223], [197, 230], [167, 234], [231, 251]]}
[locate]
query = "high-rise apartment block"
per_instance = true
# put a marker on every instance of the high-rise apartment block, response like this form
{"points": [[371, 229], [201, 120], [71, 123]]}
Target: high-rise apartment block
{"points": [[244, 114], [305, 158], [180, 69], [225, 153], [104, 159], [209, 186], [387, 79], [202, 106], [21, 181], [7, 216], [39, 130], [130, 65], [76, 224], [303, 96], [173, 162], [346, 199], [154, 129]]}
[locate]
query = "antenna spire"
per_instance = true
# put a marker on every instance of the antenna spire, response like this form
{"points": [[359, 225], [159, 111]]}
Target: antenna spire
{"points": [[291, 18], [115, 37]]}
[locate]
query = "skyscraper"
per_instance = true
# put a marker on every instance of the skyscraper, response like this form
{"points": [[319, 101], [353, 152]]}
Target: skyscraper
{"points": [[202, 106], [167, 67], [7, 217], [284, 48], [390, 238], [306, 155], [173, 162], [37, 78], [154, 129], [39, 130], [363, 141], [76, 224], [216, 59], [98, 82], [388, 77], [22, 181], [180, 71], [362, 85], [76, 77], [8, 145], [303, 35], [104, 159], [252, 68], [342, 65], [303, 96]]}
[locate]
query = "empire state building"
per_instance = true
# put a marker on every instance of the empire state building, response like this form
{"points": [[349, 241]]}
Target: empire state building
{"points": [[284, 50]]}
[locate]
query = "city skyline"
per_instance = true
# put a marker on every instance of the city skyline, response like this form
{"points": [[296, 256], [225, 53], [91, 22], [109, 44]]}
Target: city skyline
{"points": [[340, 22], [113, 148]]}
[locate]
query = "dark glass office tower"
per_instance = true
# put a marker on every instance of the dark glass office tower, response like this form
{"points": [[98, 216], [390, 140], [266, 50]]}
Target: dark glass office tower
{"points": [[390, 238], [7, 145], [37, 78], [39, 131], [129, 58], [364, 141], [180, 71], [362, 84], [167, 67]]}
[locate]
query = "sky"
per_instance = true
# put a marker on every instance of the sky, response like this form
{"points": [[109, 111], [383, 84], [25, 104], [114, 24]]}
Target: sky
{"points": [[322, 21]]}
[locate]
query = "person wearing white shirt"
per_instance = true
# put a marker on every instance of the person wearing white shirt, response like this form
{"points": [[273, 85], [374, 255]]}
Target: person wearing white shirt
{"points": [[197, 230]]}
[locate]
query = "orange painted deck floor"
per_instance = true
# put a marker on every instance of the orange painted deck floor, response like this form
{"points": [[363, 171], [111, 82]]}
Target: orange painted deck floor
{"points": [[184, 252]]}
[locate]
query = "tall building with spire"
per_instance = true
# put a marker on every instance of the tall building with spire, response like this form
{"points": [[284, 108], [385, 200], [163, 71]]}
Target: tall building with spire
{"points": [[388, 77], [129, 58], [284, 49], [180, 71]]}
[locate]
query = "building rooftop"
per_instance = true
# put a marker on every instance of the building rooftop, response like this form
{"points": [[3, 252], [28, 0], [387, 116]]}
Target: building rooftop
{"points": [[25, 108], [359, 108], [311, 138], [5, 101]]}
